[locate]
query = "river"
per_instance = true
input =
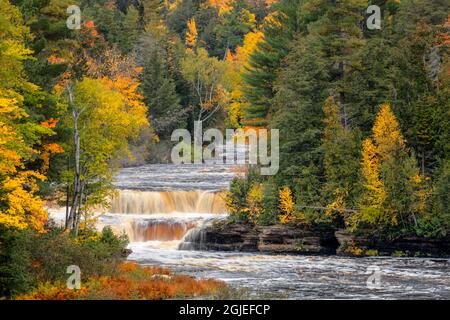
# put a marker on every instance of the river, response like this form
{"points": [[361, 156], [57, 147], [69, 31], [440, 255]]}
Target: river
{"points": [[159, 204]]}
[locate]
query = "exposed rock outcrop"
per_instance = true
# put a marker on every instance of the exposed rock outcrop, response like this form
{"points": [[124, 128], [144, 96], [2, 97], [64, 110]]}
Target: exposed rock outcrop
{"points": [[229, 236], [408, 246], [271, 239]]}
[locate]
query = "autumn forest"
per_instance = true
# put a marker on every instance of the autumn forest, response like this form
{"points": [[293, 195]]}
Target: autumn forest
{"points": [[90, 87]]}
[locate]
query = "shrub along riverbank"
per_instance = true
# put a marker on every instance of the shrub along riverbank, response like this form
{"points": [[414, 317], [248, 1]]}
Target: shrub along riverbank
{"points": [[33, 265]]}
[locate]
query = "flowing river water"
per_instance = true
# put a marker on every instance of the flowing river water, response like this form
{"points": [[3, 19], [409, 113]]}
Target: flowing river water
{"points": [[159, 204]]}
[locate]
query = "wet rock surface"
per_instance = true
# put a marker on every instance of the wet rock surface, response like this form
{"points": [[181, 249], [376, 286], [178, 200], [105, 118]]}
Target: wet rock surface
{"points": [[227, 236], [270, 239], [408, 246]]}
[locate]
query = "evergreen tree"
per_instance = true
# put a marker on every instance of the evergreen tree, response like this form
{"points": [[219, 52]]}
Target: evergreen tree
{"points": [[166, 113], [340, 160], [264, 63]]}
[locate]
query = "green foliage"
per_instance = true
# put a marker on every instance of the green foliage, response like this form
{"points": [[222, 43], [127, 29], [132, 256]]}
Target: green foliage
{"points": [[236, 200], [233, 26], [340, 160], [318, 51], [117, 27], [264, 63], [28, 258], [371, 252], [437, 223], [166, 113]]}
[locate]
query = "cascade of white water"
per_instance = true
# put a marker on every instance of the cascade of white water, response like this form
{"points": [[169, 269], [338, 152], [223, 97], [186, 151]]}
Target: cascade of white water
{"points": [[150, 202], [163, 215], [160, 230]]}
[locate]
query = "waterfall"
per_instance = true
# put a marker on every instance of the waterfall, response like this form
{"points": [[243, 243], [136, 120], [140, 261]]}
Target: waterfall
{"points": [[194, 238], [162, 215], [167, 230], [150, 202]]}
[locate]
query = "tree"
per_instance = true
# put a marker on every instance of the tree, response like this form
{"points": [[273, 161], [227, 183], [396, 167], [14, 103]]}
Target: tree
{"points": [[239, 62], [20, 135], [105, 115], [208, 79], [191, 34], [389, 179], [341, 151], [286, 205], [233, 25], [165, 110], [279, 29]]}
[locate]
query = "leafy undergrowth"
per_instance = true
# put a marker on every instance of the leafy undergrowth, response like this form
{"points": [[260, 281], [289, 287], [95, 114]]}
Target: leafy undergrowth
{"points": [[131, 282]]}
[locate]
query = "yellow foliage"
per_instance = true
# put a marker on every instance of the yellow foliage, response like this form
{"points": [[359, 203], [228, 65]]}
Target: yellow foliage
{"points": [[386, 144], [128, 88], [24, 209], [238, 64], [371, 170], [20, 207], [286, 205], [375, 196], [254, 200], [222, 6], [191, 33], [386, 133], [339, 202], [286, 202]]}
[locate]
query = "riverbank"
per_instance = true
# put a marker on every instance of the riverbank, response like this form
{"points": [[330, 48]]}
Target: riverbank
{"points": [[245, 237], [132, 281]]}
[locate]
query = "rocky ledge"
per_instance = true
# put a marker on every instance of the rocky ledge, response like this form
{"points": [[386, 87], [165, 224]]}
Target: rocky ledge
{"points": [[229, 236], [408, 246]]}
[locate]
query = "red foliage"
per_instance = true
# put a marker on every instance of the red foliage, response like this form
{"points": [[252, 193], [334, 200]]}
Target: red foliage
{"points": [[131, 282]]}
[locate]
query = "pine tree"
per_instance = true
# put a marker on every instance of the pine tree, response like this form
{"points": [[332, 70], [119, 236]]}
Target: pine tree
{"points": [[341, 40], [279, 29], [340, 160], [297, 108], [166, 113]]}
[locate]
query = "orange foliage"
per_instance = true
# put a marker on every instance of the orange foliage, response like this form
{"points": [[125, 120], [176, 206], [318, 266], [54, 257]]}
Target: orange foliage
{"points": [[50, 123], [55, 60], [444, 37], [90, 32], [48, 150], [131, 282]]}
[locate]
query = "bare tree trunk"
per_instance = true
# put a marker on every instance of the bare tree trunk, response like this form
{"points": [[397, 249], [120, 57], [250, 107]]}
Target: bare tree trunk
{"points": [[422, 162], [78, 216], [341, 97], [67, 204], [74, 210]]}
